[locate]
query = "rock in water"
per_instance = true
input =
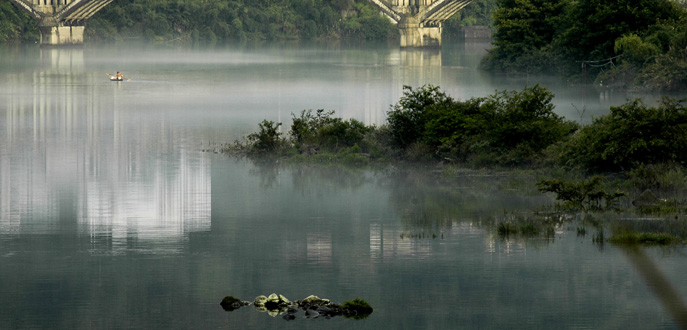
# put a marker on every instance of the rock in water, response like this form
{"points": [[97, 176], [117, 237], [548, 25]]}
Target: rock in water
{"points": [[260, 301], [230, 303]]}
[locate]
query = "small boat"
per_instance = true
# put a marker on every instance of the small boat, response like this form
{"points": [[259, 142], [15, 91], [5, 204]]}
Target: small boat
{"points": [[116, 77]]}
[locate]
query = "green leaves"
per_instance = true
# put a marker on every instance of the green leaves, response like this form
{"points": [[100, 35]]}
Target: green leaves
{"points": [[267, 139], [409, 116], [505, 128], [239, 20], [523, 27], [631, 135], [635, 49], [595, 25], [15, 25], [322, 131], [551, 36]]}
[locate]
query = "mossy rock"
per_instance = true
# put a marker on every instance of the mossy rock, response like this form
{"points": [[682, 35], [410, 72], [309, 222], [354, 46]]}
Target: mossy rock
{"points": [[274, 302], [357, 308], [313, 306], [230, 303], [313, 301]]}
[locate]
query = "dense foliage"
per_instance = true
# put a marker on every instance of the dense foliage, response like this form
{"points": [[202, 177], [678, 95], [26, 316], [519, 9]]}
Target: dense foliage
{"points": [[267, 139], [507, 128], [192, 20], [238, 20], [504, 128], [479, 12], [320, 131], [524, 30], [15, 25], [632, 135], [625, 43]]}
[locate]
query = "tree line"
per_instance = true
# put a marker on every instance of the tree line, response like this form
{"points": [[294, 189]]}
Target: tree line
{"points": [[616, 43], [633, 148], [508, 128]]}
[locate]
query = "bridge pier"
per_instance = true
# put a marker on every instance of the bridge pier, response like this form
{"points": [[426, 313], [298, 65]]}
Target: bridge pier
{"points": [[61, 35], [61, 22], [416, 34], [419, 21]]}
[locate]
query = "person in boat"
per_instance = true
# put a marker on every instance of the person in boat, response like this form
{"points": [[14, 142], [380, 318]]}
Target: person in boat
{"points": [[119, 76]]}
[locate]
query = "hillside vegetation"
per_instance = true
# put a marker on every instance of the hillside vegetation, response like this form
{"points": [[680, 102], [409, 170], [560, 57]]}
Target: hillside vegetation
{"points": [[15, 25], [238, 20], [618, 43], [225, 20]]}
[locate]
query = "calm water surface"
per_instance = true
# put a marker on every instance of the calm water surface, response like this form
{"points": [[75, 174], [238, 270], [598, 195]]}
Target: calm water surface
{"points": [[112, 217]]}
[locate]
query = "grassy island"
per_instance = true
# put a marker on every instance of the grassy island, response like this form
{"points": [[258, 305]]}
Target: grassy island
{"points": [[631, 160]]}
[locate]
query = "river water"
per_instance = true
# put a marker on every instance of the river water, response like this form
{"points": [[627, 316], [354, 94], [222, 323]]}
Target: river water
{"points": [[113, 217]]}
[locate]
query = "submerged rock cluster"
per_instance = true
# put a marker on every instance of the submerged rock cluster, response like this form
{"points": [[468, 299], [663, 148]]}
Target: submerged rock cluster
{"points": [[312, 306], [230, 303]]}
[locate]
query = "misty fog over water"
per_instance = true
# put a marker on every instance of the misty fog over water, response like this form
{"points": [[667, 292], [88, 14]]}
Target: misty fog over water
{"points": [[112, 216]]}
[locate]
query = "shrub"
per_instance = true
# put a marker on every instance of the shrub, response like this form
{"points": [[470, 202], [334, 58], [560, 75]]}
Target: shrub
{"points": [[519, 125], [321, 130], [585, 194], [267, 139], [631, 135], [454, 129], [408, 117], [504, 128]]}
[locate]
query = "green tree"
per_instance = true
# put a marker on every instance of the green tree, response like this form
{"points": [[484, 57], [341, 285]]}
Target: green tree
{"points": [[15, 25], [523, 27], [595, 25], [267, 139], [240, 20], [322, 131], [479, 12], [534, 36], [631, 135], [505, 128], [522, 124], [407, 119], [635, 50]]}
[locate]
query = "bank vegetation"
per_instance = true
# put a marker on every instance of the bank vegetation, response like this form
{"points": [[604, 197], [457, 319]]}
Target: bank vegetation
{"points": [[628, 44], [630, 160]]}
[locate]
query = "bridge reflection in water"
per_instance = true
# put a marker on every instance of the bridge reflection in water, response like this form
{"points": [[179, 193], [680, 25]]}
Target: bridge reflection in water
{"points": [[412, 67], [71, 163]]}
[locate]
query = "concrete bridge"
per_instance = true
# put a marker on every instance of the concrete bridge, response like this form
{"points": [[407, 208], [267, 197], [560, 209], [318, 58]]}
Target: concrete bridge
{"points": [[61, 22], [419, 21]]}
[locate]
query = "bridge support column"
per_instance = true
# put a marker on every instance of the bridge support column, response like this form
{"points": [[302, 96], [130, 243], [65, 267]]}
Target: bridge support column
{"points": [[415, 34], [61, 35], [61, 22]]}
